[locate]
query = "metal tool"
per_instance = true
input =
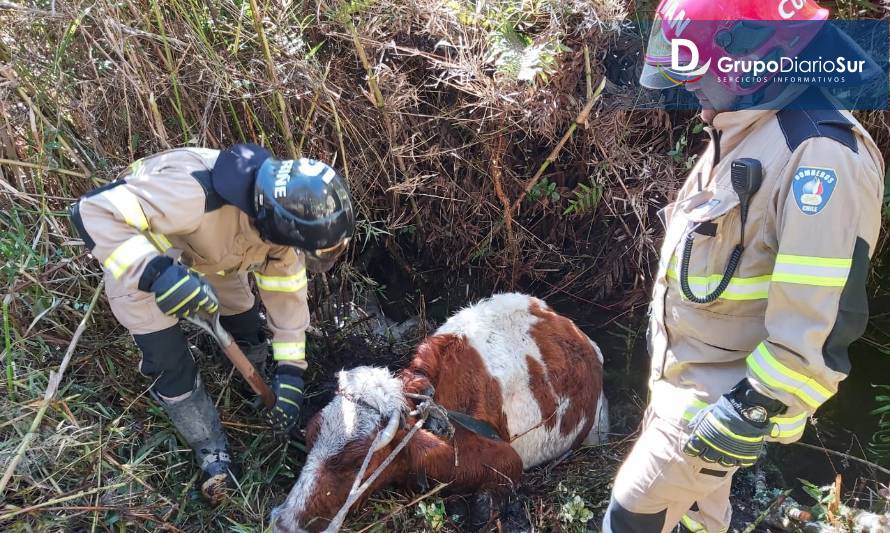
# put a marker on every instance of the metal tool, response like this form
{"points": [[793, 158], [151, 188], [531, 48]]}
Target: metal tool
{"points": [[213, 326]]}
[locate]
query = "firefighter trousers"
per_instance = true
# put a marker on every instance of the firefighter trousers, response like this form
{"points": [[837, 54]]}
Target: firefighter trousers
{"points": [[659, 487], [166, 357]]}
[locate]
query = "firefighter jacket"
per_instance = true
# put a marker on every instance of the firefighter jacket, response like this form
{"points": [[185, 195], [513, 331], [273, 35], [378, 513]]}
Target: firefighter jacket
{"points": [[164, 204], [797, 298]]}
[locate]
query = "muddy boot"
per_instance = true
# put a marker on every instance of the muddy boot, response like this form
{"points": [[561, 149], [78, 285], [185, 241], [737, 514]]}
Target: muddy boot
{"points": [[197, 420]]}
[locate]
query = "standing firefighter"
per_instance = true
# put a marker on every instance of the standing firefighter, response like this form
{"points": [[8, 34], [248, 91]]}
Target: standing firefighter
{"points": [[761, 283], [178, 235]]}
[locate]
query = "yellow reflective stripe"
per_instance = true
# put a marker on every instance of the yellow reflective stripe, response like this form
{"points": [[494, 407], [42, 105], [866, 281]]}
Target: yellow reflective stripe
{"points": [[127, 205], [289, 351], [160, 241], [753, 288], [693, 409], [790, 426], [128, 253], [185, 301], [288, 400], [291, 387], [135, 167], [813, 261], [727, 431], [725, 452], [768, 369], [803, 279], [692, 525], [811, 270], [291, 283], [169, 291]]}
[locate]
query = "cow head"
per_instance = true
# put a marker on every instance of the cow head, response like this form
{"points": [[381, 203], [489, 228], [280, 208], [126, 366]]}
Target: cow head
{"points": [[369, 401]]}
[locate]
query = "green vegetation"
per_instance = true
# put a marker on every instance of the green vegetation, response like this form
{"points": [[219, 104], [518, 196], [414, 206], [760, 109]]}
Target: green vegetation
{"points": [[573, 512], [879, 446], [433, 514]]}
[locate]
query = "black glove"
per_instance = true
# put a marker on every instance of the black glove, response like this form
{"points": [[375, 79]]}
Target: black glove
{"points": [[179, 291], [288, 388], [731, 431]]}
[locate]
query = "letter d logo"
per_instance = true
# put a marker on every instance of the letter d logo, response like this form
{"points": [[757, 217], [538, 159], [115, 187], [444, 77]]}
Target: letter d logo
{"points": [[688, 69]]}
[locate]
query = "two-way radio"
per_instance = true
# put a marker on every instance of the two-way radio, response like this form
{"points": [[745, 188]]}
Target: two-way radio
{"points": [[746, 175]]}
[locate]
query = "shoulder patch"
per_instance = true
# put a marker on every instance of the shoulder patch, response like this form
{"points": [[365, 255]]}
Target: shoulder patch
{"points": [[812, 188], [817, 119]]}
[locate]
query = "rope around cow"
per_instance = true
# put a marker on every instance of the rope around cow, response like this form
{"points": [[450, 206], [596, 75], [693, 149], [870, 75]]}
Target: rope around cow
{"points": [[426, 407]]}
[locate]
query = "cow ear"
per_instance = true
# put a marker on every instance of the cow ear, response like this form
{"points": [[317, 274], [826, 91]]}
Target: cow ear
{"points": [[389, 432]]}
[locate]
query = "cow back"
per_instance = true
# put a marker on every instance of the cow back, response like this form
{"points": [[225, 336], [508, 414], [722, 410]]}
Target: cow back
{"points": [[511, 361]]}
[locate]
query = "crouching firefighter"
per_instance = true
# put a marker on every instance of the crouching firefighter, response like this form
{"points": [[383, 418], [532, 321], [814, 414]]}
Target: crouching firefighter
{"points": [[179, 233], [761, 284]]}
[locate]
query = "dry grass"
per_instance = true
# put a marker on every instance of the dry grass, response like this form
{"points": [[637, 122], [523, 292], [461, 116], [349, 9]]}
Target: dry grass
{"points": [[420, 103], [408, 99]]}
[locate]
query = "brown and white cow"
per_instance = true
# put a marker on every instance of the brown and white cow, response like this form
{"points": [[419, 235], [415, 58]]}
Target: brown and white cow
{"points": [[508, 361]]}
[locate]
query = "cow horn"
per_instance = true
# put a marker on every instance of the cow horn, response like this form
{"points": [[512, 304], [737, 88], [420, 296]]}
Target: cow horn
{"points": [[389, 432]]}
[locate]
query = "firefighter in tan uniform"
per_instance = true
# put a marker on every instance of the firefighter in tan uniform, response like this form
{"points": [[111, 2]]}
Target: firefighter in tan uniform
{"points": [[179, 233], [759, 292]]}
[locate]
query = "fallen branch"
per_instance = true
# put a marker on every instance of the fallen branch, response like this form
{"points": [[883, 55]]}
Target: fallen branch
{"points": [[54, 501], [41, 167], [530, 184], [55, 379], [145, 516], [879, 468], [580, 119], [778, 500], [497, 177]]}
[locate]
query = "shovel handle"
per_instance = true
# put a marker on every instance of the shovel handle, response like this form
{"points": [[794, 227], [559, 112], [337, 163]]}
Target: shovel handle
{"points": [[236, 356]]}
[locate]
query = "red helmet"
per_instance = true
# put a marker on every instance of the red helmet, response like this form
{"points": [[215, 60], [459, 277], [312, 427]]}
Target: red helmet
{"points": [[735, 29]]}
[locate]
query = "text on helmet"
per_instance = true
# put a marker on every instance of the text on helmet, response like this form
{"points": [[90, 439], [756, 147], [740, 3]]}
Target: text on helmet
{"points": [[789, 8], [676, 16], [282, 177]]}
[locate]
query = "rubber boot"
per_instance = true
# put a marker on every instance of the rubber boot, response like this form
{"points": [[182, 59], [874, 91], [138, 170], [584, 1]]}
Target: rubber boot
{"points": [[197, 420]]}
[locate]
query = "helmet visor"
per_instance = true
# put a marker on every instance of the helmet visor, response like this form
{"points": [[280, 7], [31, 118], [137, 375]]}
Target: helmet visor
{"points": [[657, 72], [658, 49], [318, 261]]}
